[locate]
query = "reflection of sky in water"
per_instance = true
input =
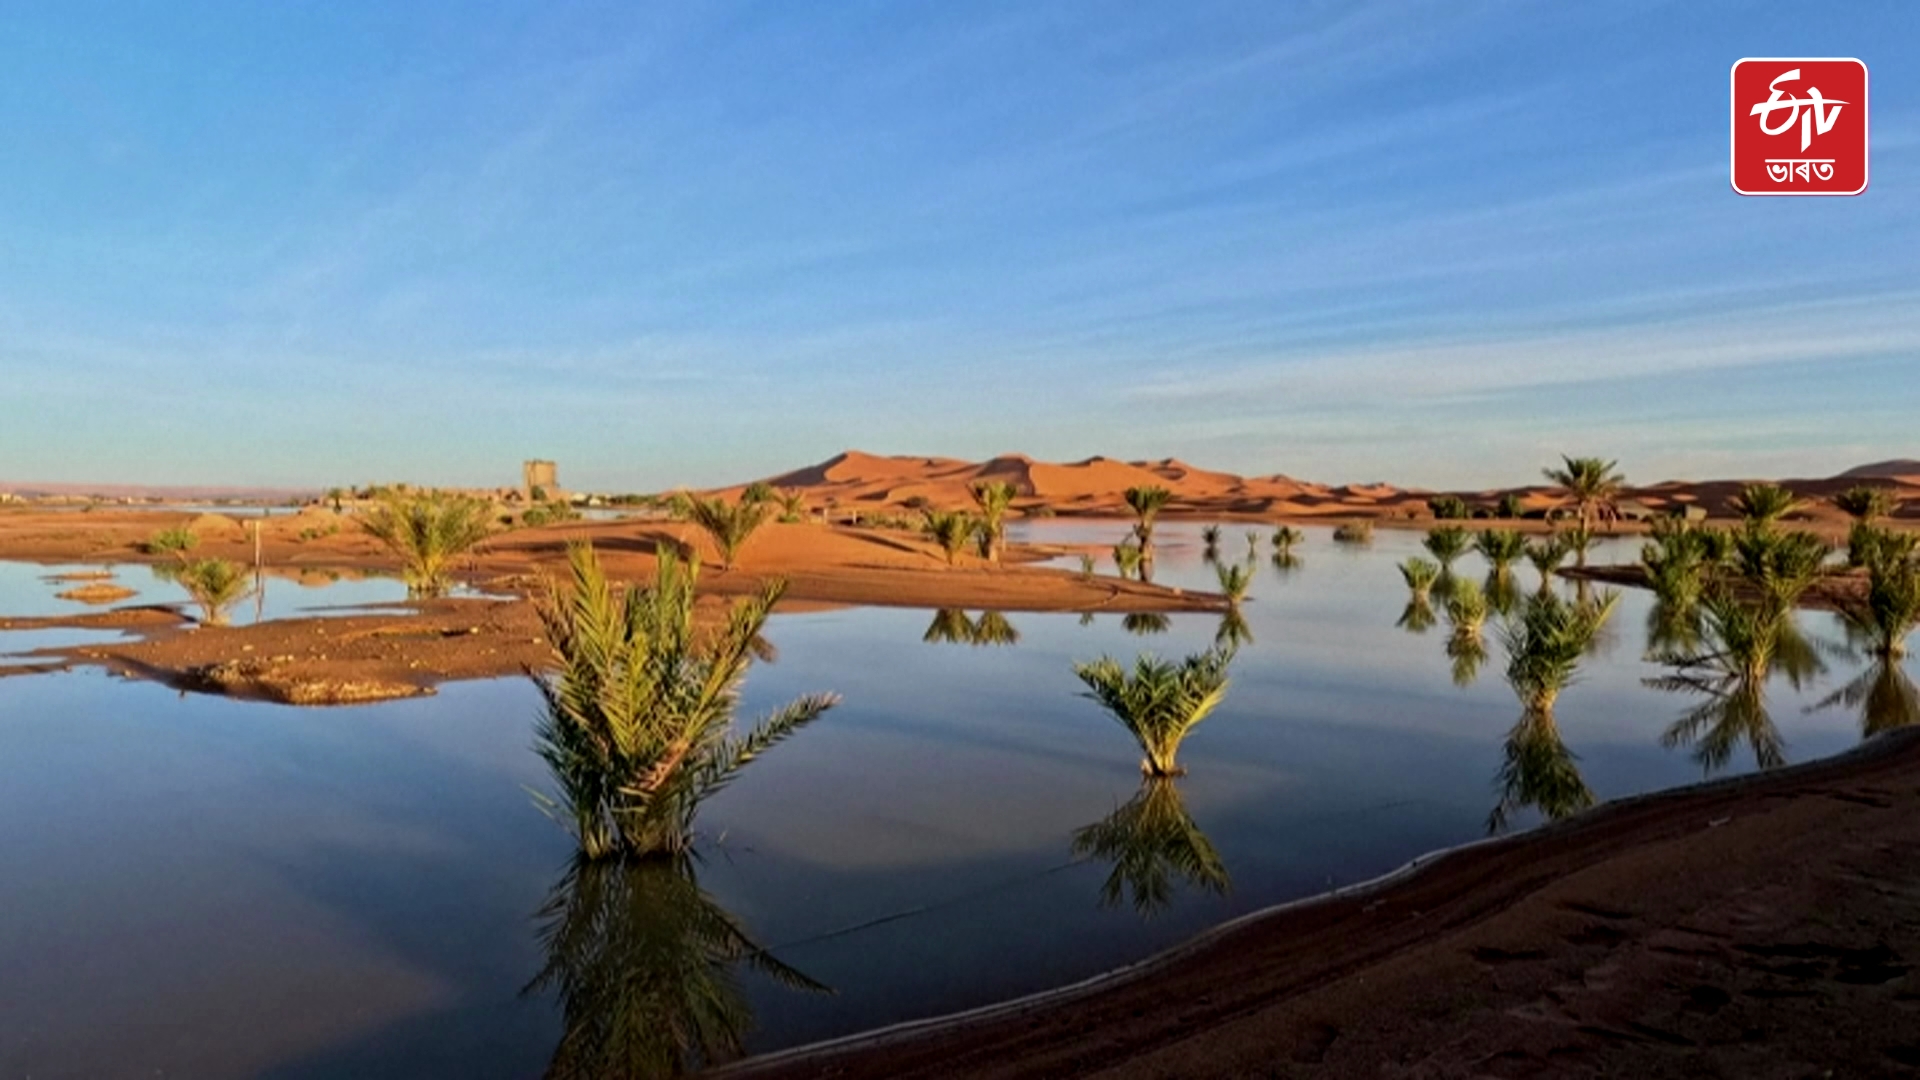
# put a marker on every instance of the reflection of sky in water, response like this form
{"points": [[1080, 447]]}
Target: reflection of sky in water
{"points": [[16, 644], [350, 891], [25, 591]]}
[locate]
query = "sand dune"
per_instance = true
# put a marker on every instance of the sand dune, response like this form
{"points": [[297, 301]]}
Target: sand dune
{"points": [[855, 482]]}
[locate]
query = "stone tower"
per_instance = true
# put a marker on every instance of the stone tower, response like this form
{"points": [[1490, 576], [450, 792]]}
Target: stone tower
{"points": [[541, 475]]}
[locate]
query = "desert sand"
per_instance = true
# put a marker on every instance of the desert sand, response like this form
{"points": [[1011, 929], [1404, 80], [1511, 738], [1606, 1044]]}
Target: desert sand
{"points": [[1760, 927]]}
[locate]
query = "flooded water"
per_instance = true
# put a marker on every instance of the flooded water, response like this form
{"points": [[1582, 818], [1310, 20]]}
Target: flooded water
{"points": [[212, 888], [33, 589]]}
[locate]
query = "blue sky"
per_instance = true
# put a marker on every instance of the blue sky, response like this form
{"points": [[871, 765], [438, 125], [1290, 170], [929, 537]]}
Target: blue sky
{"points": [[313, 243]]}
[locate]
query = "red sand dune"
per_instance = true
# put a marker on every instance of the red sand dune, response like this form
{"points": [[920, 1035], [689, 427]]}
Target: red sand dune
{"points": [[1094, 486]]}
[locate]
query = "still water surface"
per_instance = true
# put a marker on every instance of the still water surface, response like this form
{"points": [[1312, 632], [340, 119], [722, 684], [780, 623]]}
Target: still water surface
{"points": [[204, 887]]}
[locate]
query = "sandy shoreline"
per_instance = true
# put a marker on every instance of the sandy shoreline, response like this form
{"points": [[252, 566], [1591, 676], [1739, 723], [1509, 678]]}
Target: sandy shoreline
{"points": [[1759, 926], [343, 659]]}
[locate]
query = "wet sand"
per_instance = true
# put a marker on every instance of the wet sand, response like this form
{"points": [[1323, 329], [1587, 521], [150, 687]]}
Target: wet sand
{"points": [[1766, 926]]}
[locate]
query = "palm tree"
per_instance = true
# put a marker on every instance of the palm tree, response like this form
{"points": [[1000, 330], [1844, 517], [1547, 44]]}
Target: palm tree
{"points": [[638, 726], [1353, 532], [1889, 610], [1780, 565], [335, 495], [728, 525], [1447, 543], [1420, 574], [1467, 609], [1740, 642], [644, 965], [1501, 548], [215, 585], [1546, 555], [993, 497], [1127, 557], [1865, 503], [1235, 579], [1088, 565], [1147, 503], [758, 492], [1676, 565], [1151, 841], [1868, 544], [1286, 538], [1159, 701], [1210, 535], [951, 529], [1578, 540], [793, 506], [428, 531], [1762, 505], [1592, 484], [1544, 646]]}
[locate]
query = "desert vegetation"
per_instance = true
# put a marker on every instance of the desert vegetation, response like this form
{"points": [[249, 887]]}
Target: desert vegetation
{"points": [[1146, 504], [428, 531], [215, 586], [729, 525], [1153, 845], [175, 541], [1159, 702], [992, 497], [952, 530], [638, 728], [1592, 484]]}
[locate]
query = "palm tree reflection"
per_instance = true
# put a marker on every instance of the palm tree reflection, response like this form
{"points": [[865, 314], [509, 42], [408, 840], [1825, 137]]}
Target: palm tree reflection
{"points": [[1153, 845], [1883, 693], [951, 626], [1544, 645], [645, 966], [1146, 622], [1740, 643]]}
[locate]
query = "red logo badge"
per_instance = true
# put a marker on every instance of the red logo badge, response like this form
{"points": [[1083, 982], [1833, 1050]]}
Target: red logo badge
{"points": [[1799, 127]]}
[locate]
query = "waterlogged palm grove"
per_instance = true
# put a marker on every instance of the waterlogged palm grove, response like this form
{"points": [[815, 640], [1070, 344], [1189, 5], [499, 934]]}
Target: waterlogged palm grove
{"points": [[745, 861]]}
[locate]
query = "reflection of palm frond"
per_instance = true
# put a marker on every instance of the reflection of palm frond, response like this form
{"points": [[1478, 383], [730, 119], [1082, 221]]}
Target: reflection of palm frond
{"points": [[1468, 650], [1538, 771], [1146, 622], [1234, 630], [950, 626], [1151, 840], [1417, 617], [643, 963], [992, 628], [1883, 693], [1735, 711]]}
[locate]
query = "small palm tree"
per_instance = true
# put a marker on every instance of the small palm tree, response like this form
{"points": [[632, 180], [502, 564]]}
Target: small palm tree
{"points": [[428, 531], [1159, 701], [1210, 535], [1889, 610], [1740, 643], [1088, 565], [1544, 645], [1546, 555], [638, 728], [1151, 841], [1578, 541], [1677, 567], [729, 525], [1353, 532], [1146, 502], [335, 496], [1763, 505], [758, 492], [1420, 574], [1286, 538], [1467, 609], [1501, 548], [1447, 543], [215, 585], [793, 506], [993, 497], [1869, 544], [1780, 565], [175, 541], [1127, 557], [1592, 483], [1235, 579], [951, 529], [1865, 502]]}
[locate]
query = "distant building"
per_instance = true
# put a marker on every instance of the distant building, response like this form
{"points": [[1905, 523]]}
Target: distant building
{"points": [[540, 480]]}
